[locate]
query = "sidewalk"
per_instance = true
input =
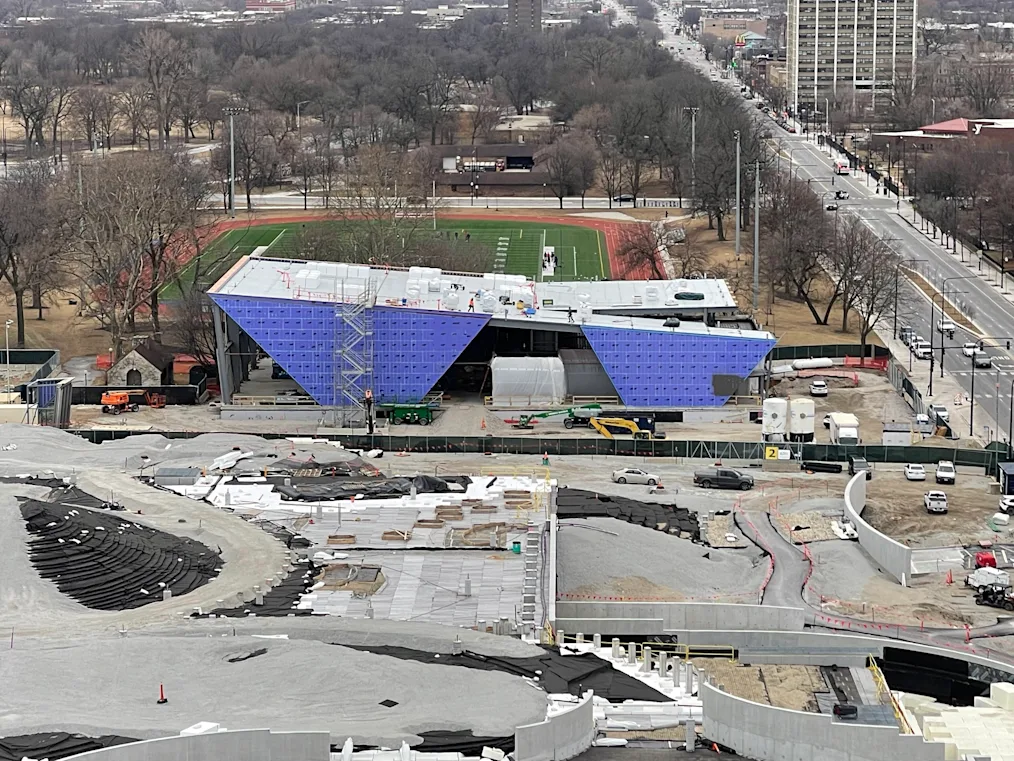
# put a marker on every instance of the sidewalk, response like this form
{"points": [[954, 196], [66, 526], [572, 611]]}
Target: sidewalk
{"points": [[946, 391]]}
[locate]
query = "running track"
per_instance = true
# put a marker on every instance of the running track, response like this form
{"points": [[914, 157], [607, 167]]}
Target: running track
{"points": [[612, 232]]}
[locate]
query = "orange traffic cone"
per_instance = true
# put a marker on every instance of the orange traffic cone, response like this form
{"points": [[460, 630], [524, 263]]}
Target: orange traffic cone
{"points": [[950, 577], [483, 426]]}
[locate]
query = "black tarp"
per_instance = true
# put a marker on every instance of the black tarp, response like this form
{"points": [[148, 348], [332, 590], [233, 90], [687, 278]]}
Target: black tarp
{"points": [[447, 741], [386, 488], [55, 745], [555, 673], [578, 503], [280, 600], [106, 561], [51, 483]]}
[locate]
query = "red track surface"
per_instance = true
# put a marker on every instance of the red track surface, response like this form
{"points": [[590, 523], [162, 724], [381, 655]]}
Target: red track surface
{"points": [[611, 231]]}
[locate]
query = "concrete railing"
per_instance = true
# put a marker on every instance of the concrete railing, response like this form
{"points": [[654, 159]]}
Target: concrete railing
{"points": [[894, 557], [238, 745], [646, 618], [776, 734], [560, 737]]}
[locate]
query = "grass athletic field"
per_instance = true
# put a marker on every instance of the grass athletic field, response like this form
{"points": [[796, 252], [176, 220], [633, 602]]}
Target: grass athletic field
{"points": [[516, 247]]}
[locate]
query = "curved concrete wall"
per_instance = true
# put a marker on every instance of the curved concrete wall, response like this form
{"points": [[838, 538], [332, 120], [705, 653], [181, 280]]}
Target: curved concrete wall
{"points": [[644, 618], [894, 557], [779, 734], [560, 737], [239, 745]]}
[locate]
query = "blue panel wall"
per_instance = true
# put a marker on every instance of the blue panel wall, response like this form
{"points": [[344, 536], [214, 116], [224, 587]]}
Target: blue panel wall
{"points": [[411, 348], [661, 368]]}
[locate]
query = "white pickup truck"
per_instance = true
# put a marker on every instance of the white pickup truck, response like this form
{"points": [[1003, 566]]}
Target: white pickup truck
{"points": [[983, 577], [947, 326]]}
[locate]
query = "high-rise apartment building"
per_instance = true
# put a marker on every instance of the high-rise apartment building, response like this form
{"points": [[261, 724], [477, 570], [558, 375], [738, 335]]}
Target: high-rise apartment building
{"points": [[525, 14], [850, 46]]}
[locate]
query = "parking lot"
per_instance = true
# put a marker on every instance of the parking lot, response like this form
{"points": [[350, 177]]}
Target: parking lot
{"points": [[895, 506]]}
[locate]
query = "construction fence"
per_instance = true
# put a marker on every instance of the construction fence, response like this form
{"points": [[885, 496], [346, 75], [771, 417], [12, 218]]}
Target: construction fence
{"points": [[681, 448]]}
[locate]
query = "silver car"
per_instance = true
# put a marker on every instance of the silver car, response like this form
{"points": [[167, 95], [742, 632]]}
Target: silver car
{"points": [[634, 476]]}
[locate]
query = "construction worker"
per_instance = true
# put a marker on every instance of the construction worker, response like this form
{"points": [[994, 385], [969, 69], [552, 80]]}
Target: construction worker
{"points": [[471, 305]]}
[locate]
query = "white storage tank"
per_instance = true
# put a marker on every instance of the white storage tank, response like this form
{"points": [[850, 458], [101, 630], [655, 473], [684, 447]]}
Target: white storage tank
{"points": [[812, 364], [802, 414], [773, 424]]}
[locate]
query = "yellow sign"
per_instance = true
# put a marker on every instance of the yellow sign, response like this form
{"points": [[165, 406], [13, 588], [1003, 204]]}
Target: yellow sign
{"points": [[770, 453]]}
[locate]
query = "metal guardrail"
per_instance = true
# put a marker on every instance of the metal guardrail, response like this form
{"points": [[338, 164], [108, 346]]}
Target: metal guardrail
{"points": [[885, 694], [245, 400]]}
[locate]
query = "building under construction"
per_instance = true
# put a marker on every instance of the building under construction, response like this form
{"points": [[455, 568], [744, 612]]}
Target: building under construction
{"points": [[341, 331]]}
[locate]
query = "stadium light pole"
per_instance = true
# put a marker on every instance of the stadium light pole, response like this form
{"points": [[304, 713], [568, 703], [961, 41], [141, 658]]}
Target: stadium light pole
{"points": [[739, 200], [694, 110], [232, 111]]}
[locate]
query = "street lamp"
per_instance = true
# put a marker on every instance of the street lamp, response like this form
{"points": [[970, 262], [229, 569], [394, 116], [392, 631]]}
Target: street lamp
{"points": [[739, 201], [7, 354], [232, 111]]}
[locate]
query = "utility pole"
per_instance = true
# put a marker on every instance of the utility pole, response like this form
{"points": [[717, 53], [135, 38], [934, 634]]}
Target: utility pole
{"points": [[232, 111], [739, 200], [756, 234], [694, 110]]}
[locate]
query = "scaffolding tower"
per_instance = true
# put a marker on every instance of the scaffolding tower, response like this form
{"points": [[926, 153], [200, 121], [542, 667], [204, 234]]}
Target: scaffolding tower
{"points": [[353, 355]]}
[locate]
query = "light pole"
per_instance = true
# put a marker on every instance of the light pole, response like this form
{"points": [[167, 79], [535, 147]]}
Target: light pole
{"points": [[756, 234], [694, 110], [299, 139], [232, 111], [971, 398], [7, 355], [897, 279], [739, 200]]}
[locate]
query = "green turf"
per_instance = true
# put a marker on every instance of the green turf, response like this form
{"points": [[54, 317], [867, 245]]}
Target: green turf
{"points": [[581, 251]]}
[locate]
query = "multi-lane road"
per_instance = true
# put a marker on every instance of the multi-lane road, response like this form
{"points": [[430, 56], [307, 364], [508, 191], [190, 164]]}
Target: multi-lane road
{"points": [[977, 294]]}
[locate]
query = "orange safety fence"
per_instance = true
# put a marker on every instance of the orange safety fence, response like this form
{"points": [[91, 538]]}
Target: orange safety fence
{"points": [[867, 362]]}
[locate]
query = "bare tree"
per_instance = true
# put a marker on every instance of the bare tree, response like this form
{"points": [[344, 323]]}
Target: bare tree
{"points": [[126, 236], [26, 251], [878, 284], [639, 248], [986, 85], [163, 62], [561, 162], [610, 171]]}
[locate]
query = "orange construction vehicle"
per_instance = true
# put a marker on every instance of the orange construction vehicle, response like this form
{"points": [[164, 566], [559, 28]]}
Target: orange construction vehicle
{"points": [[115, 402]]}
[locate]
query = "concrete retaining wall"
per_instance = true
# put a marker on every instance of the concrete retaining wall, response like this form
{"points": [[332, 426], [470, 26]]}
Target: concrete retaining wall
{"points": [[646, 618], [559, 737], [894, 557], [239, 745], [778, 734]]}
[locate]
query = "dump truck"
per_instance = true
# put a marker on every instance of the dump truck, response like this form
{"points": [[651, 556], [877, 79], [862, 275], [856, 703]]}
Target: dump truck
{"points": [[844, 428]]}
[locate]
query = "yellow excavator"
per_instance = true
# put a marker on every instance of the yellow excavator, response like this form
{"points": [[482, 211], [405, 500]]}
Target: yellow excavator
{"points": [[602, 425]]}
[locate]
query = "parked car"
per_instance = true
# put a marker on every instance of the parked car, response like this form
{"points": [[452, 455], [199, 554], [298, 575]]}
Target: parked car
{"points": [[922, 349], [923, 419], [945, 473], [634, 476], [969, 349], [845, 712], [723, 478], [905, 333], [818, 388], [858, 465], [915, 472], [935, 502], [1006, 503], [946, 325], [938, 411]]}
